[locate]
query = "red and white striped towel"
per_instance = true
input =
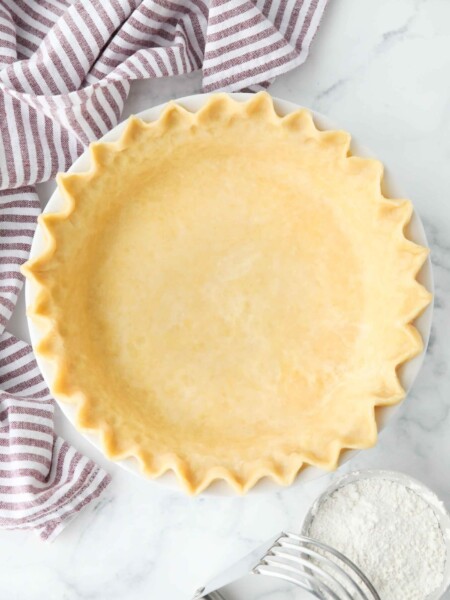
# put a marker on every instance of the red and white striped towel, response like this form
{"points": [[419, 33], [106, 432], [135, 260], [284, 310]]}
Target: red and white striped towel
{"points": [[43, 481], [65, 72]]}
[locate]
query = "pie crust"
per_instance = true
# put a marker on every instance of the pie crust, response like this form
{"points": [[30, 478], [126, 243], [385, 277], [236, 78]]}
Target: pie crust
{"points": [[228, 294]]}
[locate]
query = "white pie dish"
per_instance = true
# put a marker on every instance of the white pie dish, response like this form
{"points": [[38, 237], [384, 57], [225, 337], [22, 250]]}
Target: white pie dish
{"points": [[416, 233]]}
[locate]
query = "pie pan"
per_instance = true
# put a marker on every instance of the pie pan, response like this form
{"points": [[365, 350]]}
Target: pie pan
{"points": [[415, 233]]}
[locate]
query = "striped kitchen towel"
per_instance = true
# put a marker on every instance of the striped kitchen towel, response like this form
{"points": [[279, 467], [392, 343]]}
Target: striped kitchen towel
{"points": [[65, 73], [44, 482]]}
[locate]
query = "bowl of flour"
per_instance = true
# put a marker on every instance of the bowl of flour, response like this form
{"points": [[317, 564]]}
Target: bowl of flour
{"points": [[392, 527]]}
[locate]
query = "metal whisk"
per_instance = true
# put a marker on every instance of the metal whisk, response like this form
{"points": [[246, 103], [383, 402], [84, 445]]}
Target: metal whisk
{"points": [[315, 567], [311, 565]]}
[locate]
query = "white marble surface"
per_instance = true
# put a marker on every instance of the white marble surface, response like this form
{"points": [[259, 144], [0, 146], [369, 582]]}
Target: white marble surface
{"points": [[380, 69]]}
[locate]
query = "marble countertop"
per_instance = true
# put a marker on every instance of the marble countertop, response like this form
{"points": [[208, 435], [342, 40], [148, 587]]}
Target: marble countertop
{"points": [[380, 70]]}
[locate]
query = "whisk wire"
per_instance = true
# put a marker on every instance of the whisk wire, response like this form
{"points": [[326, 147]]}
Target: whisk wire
{"points": [[303, 580], [315, 567], [341, 557], [313, 555], [311, 567]]}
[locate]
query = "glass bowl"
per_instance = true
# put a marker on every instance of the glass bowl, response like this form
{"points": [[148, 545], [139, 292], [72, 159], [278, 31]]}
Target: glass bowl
{"points": [[419, 488]]}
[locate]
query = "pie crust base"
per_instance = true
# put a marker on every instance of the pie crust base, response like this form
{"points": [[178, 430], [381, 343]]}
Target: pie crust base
{"points": [[228, 294]]}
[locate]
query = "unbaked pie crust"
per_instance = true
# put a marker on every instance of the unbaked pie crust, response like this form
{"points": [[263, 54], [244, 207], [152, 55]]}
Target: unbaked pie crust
{"points": [[228, 294]]}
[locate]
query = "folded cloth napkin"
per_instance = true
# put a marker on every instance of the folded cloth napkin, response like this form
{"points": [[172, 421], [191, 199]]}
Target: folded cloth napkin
{"points": [[65, 72]]}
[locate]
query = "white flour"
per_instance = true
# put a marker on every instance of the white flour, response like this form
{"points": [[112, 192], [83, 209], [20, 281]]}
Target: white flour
{"points": [[389, 532]]}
